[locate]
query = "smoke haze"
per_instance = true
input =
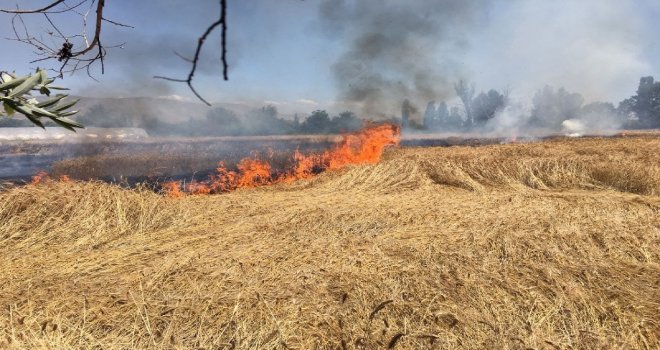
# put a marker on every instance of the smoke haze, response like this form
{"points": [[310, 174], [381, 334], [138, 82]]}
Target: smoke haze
{"points": [[395, 50]]}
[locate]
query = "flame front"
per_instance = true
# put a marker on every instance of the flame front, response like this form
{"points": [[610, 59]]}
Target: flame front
{"points": [[363, 147]]}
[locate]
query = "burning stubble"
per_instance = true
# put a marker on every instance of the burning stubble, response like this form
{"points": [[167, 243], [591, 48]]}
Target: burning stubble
{"points": [[363, 147]]}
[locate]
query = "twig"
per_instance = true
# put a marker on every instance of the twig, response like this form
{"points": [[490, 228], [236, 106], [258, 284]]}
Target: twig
{"points": [[200, 43], [34, 11]]}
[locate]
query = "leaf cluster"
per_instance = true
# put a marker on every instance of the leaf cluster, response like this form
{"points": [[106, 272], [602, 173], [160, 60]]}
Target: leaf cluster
{"points": [[17, 95]]}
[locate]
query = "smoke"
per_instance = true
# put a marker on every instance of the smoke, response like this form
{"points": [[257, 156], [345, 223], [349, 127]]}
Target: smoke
{"points": [[397, 50], [510, 120], [594, 47]]}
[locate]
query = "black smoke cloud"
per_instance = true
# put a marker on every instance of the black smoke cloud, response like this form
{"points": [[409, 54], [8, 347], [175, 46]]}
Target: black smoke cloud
{"points": [[397, 50]]}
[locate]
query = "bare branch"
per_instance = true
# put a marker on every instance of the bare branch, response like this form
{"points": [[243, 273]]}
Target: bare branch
{"points": [[200, 43], [118, 24], [97, 34], [78, 52], [223, 19], [34, 11]]}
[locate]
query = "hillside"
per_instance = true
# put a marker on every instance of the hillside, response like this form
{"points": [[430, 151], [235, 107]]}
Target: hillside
{"points": [[167, 110], [550, 245]]}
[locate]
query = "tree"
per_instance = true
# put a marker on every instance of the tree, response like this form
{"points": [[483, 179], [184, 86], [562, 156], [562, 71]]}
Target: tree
{"points": [[221, 122], [16, 96], [406, 110], [486, 105], [644, 107], [551, 108], [601, 116], [317, 123], [430, 116], [466, 94], [346, 121], [265, 121], [79, 52]]}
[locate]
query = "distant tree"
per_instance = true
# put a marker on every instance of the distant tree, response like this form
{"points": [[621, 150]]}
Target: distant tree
{"points": [[265, 121], [221, 122], [346, 121], [454, 121], [442, 113], [644, 107], [601, 116], [466, 94], [551, 108], [296, 122], [100, 116], [406, 110], [430, 116], [317, 123], [486, 105]]}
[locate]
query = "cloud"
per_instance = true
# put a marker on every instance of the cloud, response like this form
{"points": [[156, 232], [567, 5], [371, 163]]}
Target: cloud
{"points": [[307, 102], [275, 103]]}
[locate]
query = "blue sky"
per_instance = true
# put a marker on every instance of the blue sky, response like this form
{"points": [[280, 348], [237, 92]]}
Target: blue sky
{"points": [[283, 52]]}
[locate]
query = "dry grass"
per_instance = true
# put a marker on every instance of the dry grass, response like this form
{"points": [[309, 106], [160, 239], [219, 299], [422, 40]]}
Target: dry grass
{"points": [[553, 245]]}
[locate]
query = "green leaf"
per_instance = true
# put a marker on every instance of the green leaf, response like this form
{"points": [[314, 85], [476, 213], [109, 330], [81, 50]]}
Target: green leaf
{"points": [[51, 101], [9, 84], [10, 111], [63, 124], [27, 112], [42, 112], [43, 77], [26, 86], [65, 105], [71, 122], [35, 121], [66, 114]]}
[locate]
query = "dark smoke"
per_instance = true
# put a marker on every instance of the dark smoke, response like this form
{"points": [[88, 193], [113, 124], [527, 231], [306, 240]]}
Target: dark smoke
{"points": [[398, 49]]}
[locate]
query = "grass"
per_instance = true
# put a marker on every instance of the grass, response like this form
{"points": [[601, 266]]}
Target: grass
{"points": [[551, 245]]}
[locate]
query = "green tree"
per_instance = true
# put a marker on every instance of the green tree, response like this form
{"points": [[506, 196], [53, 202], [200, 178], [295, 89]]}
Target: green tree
{"points": [[486, 105], [346, 121], [644, 107], [317, 123]]}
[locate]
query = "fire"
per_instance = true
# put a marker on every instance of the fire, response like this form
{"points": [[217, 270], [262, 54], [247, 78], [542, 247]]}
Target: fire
{"points": [[40, 177], [172, 189], [43, 177], [363, 147]]}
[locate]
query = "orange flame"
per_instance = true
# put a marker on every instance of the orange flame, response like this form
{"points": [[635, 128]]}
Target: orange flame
{"points": [[363, 147], [40, 177], [172, 189]]}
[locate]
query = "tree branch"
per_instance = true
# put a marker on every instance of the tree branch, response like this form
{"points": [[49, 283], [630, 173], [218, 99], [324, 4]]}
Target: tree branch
{"points": [[222, 20], [34, 11]]}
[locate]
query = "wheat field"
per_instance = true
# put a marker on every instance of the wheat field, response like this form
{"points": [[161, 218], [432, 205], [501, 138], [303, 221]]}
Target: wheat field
{"points": [[548, 245]]}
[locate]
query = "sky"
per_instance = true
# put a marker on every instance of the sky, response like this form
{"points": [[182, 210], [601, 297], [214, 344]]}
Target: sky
{"points": [[364, 55]]}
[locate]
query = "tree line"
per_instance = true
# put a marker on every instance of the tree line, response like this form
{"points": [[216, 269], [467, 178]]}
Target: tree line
{"points": [[218, 122], [550, 109]]}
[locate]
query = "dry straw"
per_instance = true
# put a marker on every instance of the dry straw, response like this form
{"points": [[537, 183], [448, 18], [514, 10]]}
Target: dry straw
{"points": [[551, 245]]}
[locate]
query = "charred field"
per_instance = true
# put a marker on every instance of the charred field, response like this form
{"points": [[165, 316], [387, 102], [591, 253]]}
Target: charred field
{"points": [[544, 245]]}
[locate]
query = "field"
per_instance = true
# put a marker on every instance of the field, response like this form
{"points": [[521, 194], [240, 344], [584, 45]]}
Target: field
{"points": [[548, 245]]}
